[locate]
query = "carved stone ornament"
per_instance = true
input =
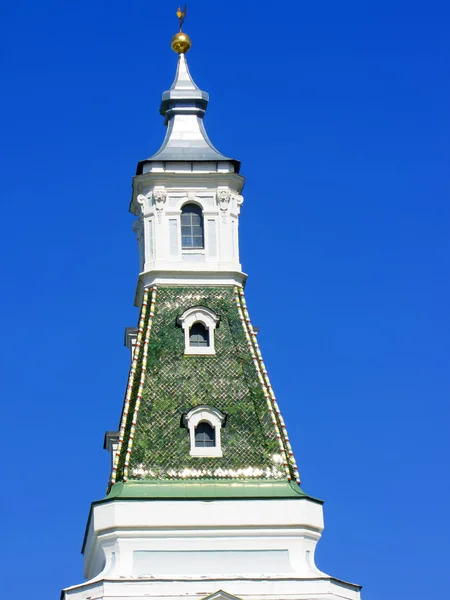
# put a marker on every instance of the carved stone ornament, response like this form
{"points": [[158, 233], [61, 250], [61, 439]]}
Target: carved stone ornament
{"points": [[239, 202], [143, 200], [223, 199], [160, 197]]}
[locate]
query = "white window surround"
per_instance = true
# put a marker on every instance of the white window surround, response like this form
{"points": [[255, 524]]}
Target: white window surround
{"points": [[193, 251], [215, 418], [199, 314]]}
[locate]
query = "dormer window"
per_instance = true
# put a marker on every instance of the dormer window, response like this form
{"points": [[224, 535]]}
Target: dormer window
{"points": [[204, 424], [199, 324], [192, 227]]}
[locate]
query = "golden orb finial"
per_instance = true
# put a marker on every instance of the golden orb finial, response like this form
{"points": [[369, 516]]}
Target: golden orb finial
{"points": [[181, 42]]}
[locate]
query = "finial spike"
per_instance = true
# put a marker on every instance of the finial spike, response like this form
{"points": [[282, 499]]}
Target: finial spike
{"points": [[181, 42], [181, 14]]}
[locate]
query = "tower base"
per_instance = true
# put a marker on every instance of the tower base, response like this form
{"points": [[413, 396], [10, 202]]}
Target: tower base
{"points": [[249, 548]]}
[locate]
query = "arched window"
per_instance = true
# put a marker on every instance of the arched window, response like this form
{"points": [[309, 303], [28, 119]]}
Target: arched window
{"points": [[199, 324], [205, 436], [198, 335], [191, 227], [204, 424]]}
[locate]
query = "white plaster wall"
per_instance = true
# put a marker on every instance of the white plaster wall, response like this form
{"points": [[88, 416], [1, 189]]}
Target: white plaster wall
{"points": [[157, 200], [121, 528]]}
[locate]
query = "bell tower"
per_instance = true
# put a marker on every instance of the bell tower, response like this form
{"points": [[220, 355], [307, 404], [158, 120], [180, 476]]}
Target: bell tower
{"points": [[204, 496]]}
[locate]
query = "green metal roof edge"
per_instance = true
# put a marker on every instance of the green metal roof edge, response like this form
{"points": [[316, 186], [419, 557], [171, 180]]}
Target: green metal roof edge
{"points": [[194, 489], [210, 488]]}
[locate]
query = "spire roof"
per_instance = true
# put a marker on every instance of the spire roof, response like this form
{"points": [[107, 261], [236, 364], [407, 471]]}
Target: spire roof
{"points": [[183, 107], [164, 385], [183, 81]]}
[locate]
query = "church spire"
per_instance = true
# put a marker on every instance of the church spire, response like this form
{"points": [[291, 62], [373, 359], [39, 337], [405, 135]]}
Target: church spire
{"points": [[183, 107], [199, 405]]}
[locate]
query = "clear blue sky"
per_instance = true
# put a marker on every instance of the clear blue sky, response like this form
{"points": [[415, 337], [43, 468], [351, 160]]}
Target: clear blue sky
{"points": [[339, 112]]}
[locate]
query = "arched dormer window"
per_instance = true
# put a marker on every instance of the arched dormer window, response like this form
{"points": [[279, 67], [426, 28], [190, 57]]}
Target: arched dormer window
{"points": [[198, 336], [205, 424], [199, 324], [205, 436], [192, 227]]}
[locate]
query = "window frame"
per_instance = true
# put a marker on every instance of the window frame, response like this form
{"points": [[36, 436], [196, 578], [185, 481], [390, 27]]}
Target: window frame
{"points": [[208, 318], [197, 343], [210, 415], [209, 439], [199, 212]]}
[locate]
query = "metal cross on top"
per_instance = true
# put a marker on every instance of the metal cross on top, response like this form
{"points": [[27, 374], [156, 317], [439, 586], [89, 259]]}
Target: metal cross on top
{"points": [[181, 14]]}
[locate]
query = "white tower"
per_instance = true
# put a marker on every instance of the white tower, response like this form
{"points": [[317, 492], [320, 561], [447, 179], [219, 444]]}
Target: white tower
{"points": [[204, 498]]}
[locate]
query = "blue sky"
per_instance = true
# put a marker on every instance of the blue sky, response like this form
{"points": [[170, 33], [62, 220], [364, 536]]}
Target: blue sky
{"points": [[339, 114]]}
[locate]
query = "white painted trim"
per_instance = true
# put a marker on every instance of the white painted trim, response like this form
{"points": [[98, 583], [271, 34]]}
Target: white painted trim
{"points": [[208, 318], [215, 418], [194, 250], [261, 586], [180, 278]]}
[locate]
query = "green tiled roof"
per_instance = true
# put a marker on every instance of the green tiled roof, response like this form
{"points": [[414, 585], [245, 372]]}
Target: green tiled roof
{"points": [[164, 384]]}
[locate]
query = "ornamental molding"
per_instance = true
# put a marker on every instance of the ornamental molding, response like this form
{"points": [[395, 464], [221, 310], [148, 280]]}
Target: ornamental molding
{"points": [[204, 413], [144, 200], [160, 197], [224, 200], [194, 197], [208, 317], [199, 314], [210, 415], [239, 202]]}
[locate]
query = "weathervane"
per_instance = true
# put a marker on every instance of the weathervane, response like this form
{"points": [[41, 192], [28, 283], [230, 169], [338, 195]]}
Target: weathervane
{"points": [[181, 14], [181, 42]]}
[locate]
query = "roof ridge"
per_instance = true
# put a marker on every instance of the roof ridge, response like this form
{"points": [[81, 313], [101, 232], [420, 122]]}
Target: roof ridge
{"points": [[287, 451], [141, 381], [130, 385], [246, 326]]}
